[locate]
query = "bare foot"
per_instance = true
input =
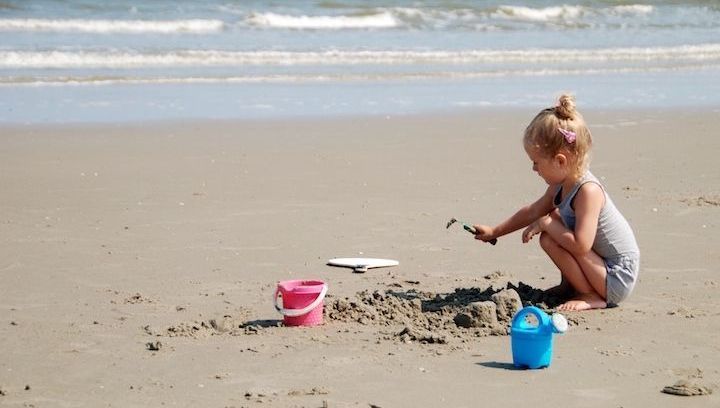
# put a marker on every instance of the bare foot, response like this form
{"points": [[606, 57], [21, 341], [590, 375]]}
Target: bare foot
{"points": [[584, 302]]}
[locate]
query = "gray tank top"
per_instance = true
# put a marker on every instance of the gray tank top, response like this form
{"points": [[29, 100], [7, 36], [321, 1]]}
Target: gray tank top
{"points": [[614, 236]]}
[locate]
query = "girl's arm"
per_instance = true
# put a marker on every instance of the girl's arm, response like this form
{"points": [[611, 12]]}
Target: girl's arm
{"points": [[522, 218], [588, 203]]}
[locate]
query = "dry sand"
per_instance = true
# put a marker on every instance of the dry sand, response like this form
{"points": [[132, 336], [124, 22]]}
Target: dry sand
{"points": [[138, 263]]}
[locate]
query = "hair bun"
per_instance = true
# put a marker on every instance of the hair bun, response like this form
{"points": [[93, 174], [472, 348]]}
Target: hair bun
{"points": [[565, 108]]}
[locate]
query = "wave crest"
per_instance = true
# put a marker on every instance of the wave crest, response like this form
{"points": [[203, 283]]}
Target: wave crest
{"points": [[272, 20], [113, 26], [189, 58], [539, 14]]}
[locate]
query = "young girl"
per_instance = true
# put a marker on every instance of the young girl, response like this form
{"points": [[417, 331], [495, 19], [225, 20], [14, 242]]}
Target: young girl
{"points": [[580, 228]]}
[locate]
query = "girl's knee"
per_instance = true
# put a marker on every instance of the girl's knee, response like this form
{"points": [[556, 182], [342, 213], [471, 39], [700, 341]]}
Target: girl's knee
{"points": [[547, 242]]}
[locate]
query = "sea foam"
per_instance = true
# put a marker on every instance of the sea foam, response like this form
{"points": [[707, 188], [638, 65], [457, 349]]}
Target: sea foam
{"points": [[538, 14], [709, 53], [112, 26], [273, 20], [634, 9]]}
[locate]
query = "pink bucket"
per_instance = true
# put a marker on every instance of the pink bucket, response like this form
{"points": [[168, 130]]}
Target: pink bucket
{"points": [[302, 302]]}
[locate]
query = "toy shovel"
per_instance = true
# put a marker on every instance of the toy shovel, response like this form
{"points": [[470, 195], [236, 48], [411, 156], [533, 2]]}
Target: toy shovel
{"points": [[467, 228]]}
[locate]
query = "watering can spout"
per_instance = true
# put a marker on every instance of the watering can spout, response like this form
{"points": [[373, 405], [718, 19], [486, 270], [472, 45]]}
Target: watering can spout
{"points": [[559, 323]]}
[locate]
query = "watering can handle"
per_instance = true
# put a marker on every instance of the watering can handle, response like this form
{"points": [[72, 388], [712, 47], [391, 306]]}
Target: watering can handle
{"points": [[303, 311], [523, 312]]}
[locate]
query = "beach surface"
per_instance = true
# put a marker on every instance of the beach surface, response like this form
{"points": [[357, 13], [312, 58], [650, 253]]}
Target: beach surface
{"points": [[139, 262]]}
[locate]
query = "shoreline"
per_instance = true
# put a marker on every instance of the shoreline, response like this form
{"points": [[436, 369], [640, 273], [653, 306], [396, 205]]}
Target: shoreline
{"points": [[126, 103], [447, 114]]}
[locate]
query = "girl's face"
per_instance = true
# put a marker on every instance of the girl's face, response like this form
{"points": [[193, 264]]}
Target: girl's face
{"points": [[554, 170]]}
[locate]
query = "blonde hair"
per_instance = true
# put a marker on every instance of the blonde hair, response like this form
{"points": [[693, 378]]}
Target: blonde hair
{"points": [[561, 129]]}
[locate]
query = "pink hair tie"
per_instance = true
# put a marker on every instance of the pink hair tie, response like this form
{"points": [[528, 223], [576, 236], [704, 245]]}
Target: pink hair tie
{"points": [[569, 135]]}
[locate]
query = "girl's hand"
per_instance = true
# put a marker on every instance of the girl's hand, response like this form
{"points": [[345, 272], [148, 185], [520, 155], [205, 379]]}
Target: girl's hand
{"points": [[484, 233], [535, 228]]}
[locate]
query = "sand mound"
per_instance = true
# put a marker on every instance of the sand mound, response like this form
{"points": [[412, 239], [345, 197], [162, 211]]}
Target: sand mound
{"points": [[685, 388], [430, 317]]}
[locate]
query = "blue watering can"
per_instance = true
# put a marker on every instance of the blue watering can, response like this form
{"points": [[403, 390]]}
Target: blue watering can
{"points": [[532, 343]]}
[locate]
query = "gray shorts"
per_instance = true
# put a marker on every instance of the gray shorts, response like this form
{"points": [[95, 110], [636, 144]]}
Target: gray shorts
{"points": [[622, 273]]}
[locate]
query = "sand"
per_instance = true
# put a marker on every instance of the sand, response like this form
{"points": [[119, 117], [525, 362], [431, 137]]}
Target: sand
{"points": [[138, 264]]}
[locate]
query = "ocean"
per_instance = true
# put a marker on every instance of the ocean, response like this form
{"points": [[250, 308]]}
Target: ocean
{"points": [[68, 61]]}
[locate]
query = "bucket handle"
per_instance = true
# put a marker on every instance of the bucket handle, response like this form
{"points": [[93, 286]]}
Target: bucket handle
{"points": [[303, 311]]}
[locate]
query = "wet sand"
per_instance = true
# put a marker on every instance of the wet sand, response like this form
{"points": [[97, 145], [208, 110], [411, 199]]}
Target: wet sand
{"points": [[138, 263]]}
